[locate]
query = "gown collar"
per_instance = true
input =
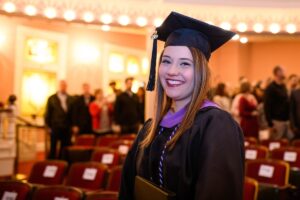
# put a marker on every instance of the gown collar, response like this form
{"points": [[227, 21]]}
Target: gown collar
{"points": [[171, 119]]}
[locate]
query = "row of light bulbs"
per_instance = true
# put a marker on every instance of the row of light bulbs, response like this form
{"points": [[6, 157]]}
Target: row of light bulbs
{"points": [[124, 20]]}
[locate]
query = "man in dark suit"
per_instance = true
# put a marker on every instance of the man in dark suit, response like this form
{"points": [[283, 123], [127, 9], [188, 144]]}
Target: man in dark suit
{"points": [[58, 119], [126, 113], [81, 117], [295, 112]]}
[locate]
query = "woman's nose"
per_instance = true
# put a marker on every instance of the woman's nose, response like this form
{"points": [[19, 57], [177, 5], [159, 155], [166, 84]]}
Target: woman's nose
{"points": [[173, 69]]}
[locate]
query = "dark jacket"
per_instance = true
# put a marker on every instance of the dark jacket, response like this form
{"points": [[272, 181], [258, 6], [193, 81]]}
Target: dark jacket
{"points": [[55, 116], [127, 110], [276, 103], [80, 114], [295, 109], [207, 162]]}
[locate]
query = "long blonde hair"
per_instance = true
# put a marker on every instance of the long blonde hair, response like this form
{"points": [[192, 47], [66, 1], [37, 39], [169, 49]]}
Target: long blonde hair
{"points": [[163, 103]]}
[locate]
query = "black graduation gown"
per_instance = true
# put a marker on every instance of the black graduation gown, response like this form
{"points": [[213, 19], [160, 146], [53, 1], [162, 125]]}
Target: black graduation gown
{"points": [[207, 162]]}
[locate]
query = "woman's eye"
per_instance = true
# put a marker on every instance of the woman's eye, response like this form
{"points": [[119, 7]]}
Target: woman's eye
{"points": [[185, 64], [165, 61]]}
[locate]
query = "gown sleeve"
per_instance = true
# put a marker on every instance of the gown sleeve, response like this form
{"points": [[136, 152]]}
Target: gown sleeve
{"points": [[126, 191], [220, 159]]}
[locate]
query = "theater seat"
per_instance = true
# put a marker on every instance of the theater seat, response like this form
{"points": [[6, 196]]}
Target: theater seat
{"points": [[254, 152], [122, 146], [275, 144], [288, 154], [114, 179], [57, 193], [87, 175], [250, 141], [73, 154], [105, 141], [128, 136], [107, 156], [85, 140], [102, 195], [296, 143], [14, 190], [250, 189], [48, 172]]}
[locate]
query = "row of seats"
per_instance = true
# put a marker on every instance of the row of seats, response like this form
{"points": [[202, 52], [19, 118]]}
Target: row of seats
{"points": [[272, 144], [92, 140], [16, 190]]}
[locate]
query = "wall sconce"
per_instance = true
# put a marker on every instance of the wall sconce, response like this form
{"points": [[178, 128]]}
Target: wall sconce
{"points": [[86, 54], [116, 63]]}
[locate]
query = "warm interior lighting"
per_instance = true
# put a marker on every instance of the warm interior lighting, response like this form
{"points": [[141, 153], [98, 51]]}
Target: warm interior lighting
{"points": [[225, 25], [105, 28], [2, 38], [291, 28], [69, 15], [236, 37], [210, 22], [132, 66], [136, 84], [116, 63], [258, 27], [85, 53], [244, 40], [242, 27], [30, 10], [157, 22], [106, 18], [124, 20], [9, 7], [50, 12], [88, 17], [274, 28], [145, 66], [141, 21]]}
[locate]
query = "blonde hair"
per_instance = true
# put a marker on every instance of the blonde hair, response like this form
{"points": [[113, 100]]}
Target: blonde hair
{"points": [[201, 87]]}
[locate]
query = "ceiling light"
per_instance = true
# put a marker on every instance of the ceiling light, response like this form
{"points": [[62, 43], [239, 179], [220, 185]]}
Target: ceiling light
{"points": [[124, 20], [30, 10], [291, 28], [274, 28], [69, 15], [157, 22], [141, 21], [225, 25], [50, 12], [258, 27], [236, 37], [105, 28], [244, 40], [242, 27], [9, 7], [88, 17], [106, 18]]}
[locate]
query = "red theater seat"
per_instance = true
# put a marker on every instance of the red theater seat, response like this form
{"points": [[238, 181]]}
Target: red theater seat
{"points": [[128, 137], [275, 144], [256, 152], [250, 189], [105, 141], [123, 146], [250, 141], [114, 180], [87, 175], [48, 172], [102, 195], [271, 172], [75, 153], [288, 154], [107, 156], [85, 140], [57, 193], [14, 190], [296, 143]]}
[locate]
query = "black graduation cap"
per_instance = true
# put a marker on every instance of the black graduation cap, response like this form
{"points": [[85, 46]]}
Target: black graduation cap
{"points": [[181, 30]]}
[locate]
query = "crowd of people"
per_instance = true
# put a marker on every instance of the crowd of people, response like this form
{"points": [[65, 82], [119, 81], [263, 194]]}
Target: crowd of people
{"points": [[88, 113], [272, 106]]}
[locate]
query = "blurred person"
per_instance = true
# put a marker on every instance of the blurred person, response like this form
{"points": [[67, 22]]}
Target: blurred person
{"points": [[11, 116], [101, 111], [295, 111], [276, 106], [58, 120], [81, 118], [221, 97], [248, 111], [292, 83], [115, 92], [258, 92], [126, 111], [141, 97]]}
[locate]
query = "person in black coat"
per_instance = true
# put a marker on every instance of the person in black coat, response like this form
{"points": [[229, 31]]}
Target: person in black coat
{"points": [[295, 112], [58, 120], [81, 117], [190, 147], [126, 110]]}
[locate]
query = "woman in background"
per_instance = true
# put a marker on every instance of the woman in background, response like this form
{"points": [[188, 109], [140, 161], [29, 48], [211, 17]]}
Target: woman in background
{"points": [[221, 97]]}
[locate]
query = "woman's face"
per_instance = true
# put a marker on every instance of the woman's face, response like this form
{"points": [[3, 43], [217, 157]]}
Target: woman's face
{"points": [[99, 95], [176, 73]]}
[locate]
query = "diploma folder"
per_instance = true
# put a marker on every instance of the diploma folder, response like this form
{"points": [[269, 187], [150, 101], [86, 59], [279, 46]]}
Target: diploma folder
{"points": [[145, 190]]}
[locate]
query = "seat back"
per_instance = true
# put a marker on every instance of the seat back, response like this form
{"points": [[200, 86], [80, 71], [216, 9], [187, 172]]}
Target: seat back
{"points": [[275, 144], [87, 175], [250, 141], [85, 140], [296, 143], [287, 154], [107, 156], [114, 179], [250, 189], [272, 172], [256, 152], [14, 190], [123, 146], [57, 192], [48, 172], [102, 195], [128, 136], [105, 141]]}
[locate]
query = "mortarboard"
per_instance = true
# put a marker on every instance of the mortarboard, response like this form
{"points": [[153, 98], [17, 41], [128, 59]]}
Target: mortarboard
{"points": [[181, 30]]}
